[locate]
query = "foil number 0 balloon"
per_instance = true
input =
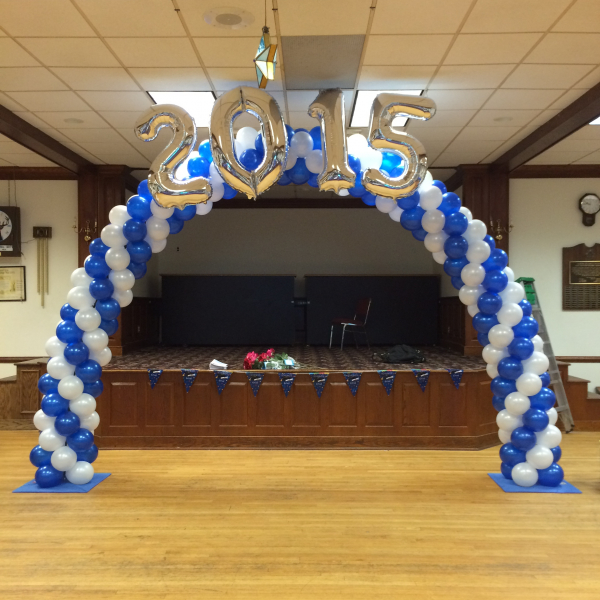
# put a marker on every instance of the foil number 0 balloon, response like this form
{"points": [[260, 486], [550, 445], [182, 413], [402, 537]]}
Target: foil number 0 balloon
{"points": [[167, 191], [382, 136]]}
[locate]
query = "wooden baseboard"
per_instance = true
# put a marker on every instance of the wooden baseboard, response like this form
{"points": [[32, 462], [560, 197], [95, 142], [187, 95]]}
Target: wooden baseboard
{"points": [[579, 359], [12, 360]]}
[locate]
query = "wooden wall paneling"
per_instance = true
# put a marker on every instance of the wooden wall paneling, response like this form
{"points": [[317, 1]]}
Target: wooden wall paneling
{"points": [[485, 419], [305, 407], [270, 406], [198, 414], [30, 398], [342, 405], [416, 405], [234, 406], [160, 402], [379, 408]]}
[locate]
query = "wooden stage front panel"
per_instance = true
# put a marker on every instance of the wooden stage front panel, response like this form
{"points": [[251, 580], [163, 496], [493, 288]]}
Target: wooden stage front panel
{"points": [[133, 415]]}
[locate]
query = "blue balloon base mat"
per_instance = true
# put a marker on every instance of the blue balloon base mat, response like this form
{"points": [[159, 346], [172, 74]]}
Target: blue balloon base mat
{"points": [[31, 487], [511, 487]]}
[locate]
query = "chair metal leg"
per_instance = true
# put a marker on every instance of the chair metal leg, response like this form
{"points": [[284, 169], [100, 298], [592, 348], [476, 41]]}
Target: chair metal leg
{"points": [[343, 334], [331, 337], [355, 340], [366, 335]]}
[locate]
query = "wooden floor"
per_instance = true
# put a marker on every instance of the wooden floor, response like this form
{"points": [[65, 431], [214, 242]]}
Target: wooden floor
{"points": [[285, 525]]}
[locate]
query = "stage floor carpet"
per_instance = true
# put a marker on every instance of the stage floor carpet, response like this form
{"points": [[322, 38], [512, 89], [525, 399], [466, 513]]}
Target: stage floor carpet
{"points": [[291, 525], [314, 358]]}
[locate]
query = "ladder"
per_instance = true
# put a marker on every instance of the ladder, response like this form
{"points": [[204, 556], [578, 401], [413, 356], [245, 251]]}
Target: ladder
{"points": [[563, 409]]}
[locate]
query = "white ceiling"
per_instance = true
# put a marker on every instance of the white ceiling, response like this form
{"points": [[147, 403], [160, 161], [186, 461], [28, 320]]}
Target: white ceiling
{"points": [[497, 69]]}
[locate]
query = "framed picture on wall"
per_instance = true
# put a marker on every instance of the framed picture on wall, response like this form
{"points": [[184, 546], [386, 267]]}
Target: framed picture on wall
{"points": [[10, 231], [12, 284]]}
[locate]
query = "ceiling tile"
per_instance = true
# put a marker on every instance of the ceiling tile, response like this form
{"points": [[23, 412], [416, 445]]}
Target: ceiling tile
{"points": [[27, 160], [300, 100], [227, 52], [12, 55], [315, 17], [442, 174], [590, 80], [5, 163], [466, 77], [119, 146], [10, 103], [395, 78], [89, 119], [28, 79], [139, 18], [7, 147], [38, 101], [576, 145], [453, 159], [121, 119], [33, 119], [567, 48], [499, 134], [480, 147], [513, 15], [149, 149], [487, 48], [91, 135], [552, 157], [132, 159], [70, 52], [530, 127], [590, 159], [432, 133], [444, 118], [172, 80], [117, 100], [499, 118], [584, 15], [524, 99], [589, 132], [567, 98], [455, 99], [154, 52], [546, 76], [406, 49], [225, 79], [99, 78], [301, 119]]}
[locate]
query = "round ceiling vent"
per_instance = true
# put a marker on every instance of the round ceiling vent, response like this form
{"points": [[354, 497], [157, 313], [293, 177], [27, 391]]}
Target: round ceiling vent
{"points": [[228, 17]]}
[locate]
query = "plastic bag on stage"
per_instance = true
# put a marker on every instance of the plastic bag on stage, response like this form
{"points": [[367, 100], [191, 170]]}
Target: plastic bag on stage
{"points": [[400, 354]]}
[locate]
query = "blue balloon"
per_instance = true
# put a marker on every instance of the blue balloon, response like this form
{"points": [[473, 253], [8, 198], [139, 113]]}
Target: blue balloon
{"points": [[204, 151], [95, 266], [369, 199], [47, 476], [134, 230], [110, 326], [454, 266], [552, 476], [144, 191], [67, 423], [521, 348], [67, 312], [545, 377], [397, 171], [456, 246], [290, 133], [354, 163], [138, 269], [250, 159], [47, 384], [284, 179], [411, 219], [483, 323], [175, 225], [108, 309], [228, 192], [456, 224], [511, 455], [139, 252], [67, 332], [315, 134], [483, 339], [450, 203], [495, 281], [81, 440], [523, 438], [76, 353], [98, 247], [489, 240], [88, 371], [139, 208], [489, 303], [497, 260], [299, 174], [543, 400], [439, 185], [557, 453], [53, 404], [358, 190], [313, 180], [40, 457], [390, 162], [498, 403], [527, 327], [185, 214], [259, 144], [456, 282], [526, 308], [103, 288], [535, 419], [301, 129], [502, 387], [510, 368], [198, 167], [408, 202], [93, 389], [89, 455], [421, 234], [506, 470]]}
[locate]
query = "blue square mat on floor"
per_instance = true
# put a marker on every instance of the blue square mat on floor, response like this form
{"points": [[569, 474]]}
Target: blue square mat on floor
{"points": [[512, 488], [31, 487]]}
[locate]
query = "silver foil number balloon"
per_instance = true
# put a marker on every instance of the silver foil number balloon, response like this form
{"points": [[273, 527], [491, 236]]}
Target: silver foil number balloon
{"points": [[328, 107], [266, 110], [382, 136]]}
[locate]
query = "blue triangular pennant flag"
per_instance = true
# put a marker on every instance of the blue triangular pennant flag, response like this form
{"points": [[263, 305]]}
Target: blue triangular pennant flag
{"points": [[422, 376], [255, 380], [319, 380], [387, 379], [287, 381], [189, 376], [353, 381], [456, 375], [222, 377], [154, 376]]}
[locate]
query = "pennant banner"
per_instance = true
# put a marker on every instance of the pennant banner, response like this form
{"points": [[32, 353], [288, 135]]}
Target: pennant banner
{"points": [[422, 376], [154, 376], [353, 381], [189, 376], [221, 377], [287, 381], [456, 375], [387, 379], [255, 380], [319, 380]]}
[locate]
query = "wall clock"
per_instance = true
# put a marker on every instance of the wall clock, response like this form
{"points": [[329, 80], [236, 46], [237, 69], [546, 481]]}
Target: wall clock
{"points": [[589, 205], [10, 231]]}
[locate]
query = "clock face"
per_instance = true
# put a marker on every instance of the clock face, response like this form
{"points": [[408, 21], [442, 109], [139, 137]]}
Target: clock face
{"points": [[5, 225], [590, 204]]}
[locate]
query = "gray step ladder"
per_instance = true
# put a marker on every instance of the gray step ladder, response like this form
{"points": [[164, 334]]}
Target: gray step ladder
{"points": [[563, 408]]}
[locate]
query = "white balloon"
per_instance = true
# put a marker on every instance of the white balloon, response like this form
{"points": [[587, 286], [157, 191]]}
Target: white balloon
{"points": [[95, 340], [395, 214], [513, 292], [430, 197], [103, 357], [517, 403], [239, 149], [501, 335], [524, 475], [549, 437], [439, 257], [469, 295], [218, 190], [64, 458], [314, 161], [122, 280], [301, 144], [83, 406], [504, 436], [472, 274], [118, 215], [478, 252], [385, 205], [203, 208], [510, 314], [51, 440], [537, 363], [493, 355], [43, 421], [54, 347], [371, 159], [434, 242], [158, 229], [345, 192], [476, 230], [123, 297], [492, 370], [247, 137], [538, 343], [508, 421], [160, 245], [552, 416], [357, 144], [71, 387], [117, 258], [214, 173], [59, 368], [427, 180], [90, 422], [473, 309], [292, 158], [433, 220], [160, 211], [80, 278], [540, 457], [465, 211], [79, 297], [112, 236], [529, 384], [81, 473], [509, 273], [88, 319]]}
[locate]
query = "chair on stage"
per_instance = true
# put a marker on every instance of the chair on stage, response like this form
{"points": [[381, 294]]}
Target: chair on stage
{"points": [[358, 324]]}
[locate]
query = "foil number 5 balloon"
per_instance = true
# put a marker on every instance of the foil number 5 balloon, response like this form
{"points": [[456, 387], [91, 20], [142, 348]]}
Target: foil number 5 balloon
{"points": [[166, 190], [382, 136]]}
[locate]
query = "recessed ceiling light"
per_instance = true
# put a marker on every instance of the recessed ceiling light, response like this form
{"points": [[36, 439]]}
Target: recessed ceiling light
{"points": [[596, 121], [228, 17], [73, 120], [364, 100], [198, 104], [503, 119]]}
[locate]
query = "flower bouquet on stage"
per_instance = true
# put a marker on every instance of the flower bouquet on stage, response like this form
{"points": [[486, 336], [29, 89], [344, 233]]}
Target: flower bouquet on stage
{"points": [[269, 360]]}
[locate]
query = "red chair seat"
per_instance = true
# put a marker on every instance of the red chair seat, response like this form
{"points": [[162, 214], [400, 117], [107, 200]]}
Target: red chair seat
{"points": [[347, 322]]}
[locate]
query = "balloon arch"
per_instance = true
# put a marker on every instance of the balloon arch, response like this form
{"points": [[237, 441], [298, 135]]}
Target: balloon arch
{"points": [[388, 170]]}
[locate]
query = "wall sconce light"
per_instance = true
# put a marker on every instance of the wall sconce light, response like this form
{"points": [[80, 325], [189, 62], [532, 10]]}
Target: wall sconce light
{"points": [[497, 230], [87, 229]]}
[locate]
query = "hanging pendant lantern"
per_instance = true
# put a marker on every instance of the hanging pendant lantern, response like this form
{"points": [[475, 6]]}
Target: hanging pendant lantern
{"points": [[265, 60]]}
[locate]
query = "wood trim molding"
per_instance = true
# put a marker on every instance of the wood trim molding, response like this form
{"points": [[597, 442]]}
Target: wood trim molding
{"points": [[579, 359], [555, 172], [9, 360], [36, 173], [455, 180]]}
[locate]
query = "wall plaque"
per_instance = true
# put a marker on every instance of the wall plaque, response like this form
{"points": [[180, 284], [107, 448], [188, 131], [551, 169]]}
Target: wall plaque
{"points": [[581, 277], [584, 272]]}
